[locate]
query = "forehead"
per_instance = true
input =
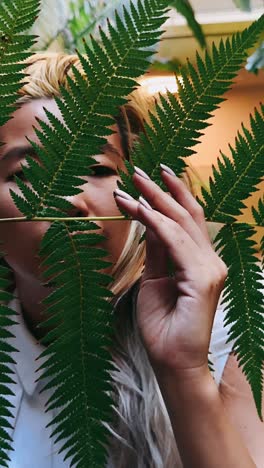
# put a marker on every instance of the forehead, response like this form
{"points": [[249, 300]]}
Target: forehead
{"points": [[23, 119], [14, 132]]}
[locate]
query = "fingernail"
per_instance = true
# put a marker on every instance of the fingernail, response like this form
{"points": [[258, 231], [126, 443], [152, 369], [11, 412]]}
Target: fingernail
{"points": [[122, 194], [167, 169], [141, 173], [144, 203]]}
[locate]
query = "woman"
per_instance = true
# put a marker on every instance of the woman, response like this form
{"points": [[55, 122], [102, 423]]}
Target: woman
{"points": [[171, 411]]}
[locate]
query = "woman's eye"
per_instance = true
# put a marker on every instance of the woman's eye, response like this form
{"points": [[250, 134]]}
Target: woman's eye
{"points": [[19, 174], [102, 171]]}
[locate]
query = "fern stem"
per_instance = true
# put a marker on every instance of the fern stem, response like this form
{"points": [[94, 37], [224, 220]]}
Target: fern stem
{"points": [[92, 218], [98, 218]]}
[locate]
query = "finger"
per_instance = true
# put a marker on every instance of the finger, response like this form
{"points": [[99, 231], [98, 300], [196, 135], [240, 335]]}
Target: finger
{"points": [[178, 244], [156, 266], [179, 191], [167, 205]]}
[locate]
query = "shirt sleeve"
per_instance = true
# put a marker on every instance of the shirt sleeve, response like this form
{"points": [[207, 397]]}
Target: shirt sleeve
{"points": [[219, 349]]}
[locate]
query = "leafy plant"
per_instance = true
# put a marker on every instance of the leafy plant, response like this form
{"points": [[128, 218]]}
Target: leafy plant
{"points": [[51, 24], [244, 5], [75, 20], [85, 18], [256, 61], [73, 261]]}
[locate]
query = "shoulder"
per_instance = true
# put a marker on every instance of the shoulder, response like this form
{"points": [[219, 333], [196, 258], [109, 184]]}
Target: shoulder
{"points": [[238, 401]]}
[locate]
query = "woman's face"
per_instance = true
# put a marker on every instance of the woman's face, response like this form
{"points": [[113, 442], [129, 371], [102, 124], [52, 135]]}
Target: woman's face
{"points": [[21, 241]]}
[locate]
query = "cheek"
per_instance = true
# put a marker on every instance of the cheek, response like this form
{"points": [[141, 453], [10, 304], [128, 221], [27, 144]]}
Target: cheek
{"points": [[7, 207], [20, 241], [116, 233]]}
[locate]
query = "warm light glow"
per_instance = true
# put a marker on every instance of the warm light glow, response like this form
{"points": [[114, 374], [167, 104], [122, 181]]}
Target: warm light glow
{"points": [[159, 84]]}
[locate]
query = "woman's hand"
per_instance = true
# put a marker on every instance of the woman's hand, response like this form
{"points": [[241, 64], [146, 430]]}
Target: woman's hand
{"points": [[175, 314]]}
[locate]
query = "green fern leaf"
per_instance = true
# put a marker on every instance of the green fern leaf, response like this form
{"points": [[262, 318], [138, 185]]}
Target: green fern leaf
{"points": [[245, 302], [5, 370], [259, 212], [235, 181], [15, 18], [258, 215], [81, 318], [110, 71], [176, 127]]}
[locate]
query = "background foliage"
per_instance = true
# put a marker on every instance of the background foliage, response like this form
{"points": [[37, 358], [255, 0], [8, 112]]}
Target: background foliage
{"points": [[65, 23]]}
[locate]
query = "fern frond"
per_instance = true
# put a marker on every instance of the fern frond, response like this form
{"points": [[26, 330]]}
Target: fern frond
{"points": [[245, 307], [78, 361], [15, 18], [110, 69], [235, 180], [177, 122], [5, 370]]}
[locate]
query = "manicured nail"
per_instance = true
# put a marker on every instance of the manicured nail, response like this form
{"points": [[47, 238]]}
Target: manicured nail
{"points": [[144, 203], [167, 169], [141, 173], [122, 194]]}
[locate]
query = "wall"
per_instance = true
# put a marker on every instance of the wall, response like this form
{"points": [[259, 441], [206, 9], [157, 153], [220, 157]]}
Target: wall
{"points": [[240, 102]]}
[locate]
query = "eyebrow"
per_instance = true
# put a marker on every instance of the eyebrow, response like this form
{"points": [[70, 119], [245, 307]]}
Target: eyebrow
{"points": [[19, 151], [112, 149]]}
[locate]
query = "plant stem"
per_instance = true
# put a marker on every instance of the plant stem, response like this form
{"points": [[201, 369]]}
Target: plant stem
{"points": [[92, 218]]}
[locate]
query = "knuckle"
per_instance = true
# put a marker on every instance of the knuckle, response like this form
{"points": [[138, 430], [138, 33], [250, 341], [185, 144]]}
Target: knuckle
{"points": [[214, 277], [184, 216], [223, 269], [197, 212], [154, 198], [220, 274]]}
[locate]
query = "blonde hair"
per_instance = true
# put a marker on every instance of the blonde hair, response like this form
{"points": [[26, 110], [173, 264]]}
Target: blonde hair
{"points": [[142, 435]]}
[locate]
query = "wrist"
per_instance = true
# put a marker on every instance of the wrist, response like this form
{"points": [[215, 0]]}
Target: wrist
{"points": [[187, 383]]}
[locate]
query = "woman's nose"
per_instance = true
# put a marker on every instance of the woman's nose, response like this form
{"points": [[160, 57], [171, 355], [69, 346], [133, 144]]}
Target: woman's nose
{"points": [[80, 206]]}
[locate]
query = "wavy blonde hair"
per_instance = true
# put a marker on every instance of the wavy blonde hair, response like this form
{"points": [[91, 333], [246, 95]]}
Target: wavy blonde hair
{"points": [[141, 436]]}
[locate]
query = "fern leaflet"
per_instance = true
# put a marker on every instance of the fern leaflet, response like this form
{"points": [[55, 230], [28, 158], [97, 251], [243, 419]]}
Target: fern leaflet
{"points": [[259, 218], [245, 302]]}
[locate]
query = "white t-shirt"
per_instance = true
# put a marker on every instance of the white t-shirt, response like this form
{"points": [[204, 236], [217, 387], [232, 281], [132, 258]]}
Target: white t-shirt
{"points": [[32, 444]]}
